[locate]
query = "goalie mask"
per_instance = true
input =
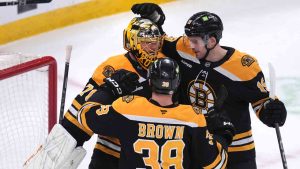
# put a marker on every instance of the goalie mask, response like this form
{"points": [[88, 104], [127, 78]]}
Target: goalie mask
{"points": [[143, 39]]}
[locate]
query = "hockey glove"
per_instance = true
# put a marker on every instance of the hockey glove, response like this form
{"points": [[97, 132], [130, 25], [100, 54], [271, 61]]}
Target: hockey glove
{"points": [[218, 122], [122, 82], [273, 112], [150, 11]]}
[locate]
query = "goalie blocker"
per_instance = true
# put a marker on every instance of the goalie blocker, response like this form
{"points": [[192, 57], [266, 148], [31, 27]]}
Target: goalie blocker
{"points": [[58, 152]]}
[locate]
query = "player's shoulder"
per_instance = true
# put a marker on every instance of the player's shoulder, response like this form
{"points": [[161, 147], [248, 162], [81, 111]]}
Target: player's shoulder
{"points": [[240, 66], [129, 104], [108, 67], [187, 113], [137, 106], [129, 100], [184, 50], [116, 62]]}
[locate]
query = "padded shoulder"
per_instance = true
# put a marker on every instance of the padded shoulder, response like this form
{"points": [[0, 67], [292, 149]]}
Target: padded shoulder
{"points": [[185, 51], [240, 67], [137, 107], [108, 67]]}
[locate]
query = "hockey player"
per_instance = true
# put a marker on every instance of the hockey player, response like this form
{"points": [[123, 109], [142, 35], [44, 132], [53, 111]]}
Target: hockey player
{"points": [[156, 132], [205, 65], [153, 132], [142, 40]]}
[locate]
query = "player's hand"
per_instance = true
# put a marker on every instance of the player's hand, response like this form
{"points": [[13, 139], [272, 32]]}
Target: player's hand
{"points": [[218, 121], [273, 112], [122, 82], [150, 11]]}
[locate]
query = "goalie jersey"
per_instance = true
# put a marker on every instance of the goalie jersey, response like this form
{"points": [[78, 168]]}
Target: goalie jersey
{"points": [[152, 136], [242, 77]]}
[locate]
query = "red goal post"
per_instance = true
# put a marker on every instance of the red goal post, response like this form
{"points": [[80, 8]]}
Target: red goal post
{"points": [[28, 105]]}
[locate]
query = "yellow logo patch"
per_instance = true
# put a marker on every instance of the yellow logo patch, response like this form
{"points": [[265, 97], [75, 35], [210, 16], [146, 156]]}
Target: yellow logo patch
{"points": [[127, 98], [108, 71], [247, 60]]}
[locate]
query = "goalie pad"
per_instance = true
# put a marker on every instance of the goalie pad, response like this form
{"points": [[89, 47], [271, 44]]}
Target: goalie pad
{"points": [[58, 152]]}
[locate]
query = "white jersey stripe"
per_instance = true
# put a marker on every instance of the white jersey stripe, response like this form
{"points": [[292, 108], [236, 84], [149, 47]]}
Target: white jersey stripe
{"points": [[73, 111], [223, 159], [242, 141], [160, 120], [227, 74], [109, 144]]}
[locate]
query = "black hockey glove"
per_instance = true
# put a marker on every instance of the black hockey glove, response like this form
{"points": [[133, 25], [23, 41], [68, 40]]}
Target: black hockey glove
{"points": [[273, 112], [122, 82], [150, 11], [218, 122]]}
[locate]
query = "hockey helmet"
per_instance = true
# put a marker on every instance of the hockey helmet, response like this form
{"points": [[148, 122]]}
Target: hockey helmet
{"points": [[140, 31], [164, 76], [204, 24]]}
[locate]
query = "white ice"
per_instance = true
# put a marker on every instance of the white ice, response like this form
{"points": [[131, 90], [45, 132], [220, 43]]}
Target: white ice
{"points": [[268, 30]]}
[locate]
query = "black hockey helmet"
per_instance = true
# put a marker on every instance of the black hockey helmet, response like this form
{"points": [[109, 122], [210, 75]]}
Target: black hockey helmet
{"points": [[164, 76], [204, 23]]}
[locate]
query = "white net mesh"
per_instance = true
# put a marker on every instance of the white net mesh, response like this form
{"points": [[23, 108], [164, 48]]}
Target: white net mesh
{"points": [[23, 112]]}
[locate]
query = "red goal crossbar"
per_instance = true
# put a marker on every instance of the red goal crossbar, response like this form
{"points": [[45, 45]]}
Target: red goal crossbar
{"points": [[35, 64]]}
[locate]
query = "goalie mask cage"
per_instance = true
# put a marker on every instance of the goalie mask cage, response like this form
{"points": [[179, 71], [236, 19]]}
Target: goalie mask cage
{"points": [[28, 105]]}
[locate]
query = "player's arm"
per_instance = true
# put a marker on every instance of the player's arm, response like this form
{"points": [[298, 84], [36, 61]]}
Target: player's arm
{"points": [[121, 82], [208, 150], [269, 111], [70, 122], [62, 149], [102, 119], [212, 136], [152, 12]]}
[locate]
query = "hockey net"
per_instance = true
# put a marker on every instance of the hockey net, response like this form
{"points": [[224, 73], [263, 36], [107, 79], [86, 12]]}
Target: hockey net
{"points": [[28, 89]]}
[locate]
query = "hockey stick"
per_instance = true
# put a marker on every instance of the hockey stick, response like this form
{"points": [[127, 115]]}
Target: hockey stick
{"points": [[64, 89], [23, 2], [272, 96]]}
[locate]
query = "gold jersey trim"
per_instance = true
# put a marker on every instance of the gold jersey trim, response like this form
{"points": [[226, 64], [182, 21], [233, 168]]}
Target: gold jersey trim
{"points": [[241, 148], [242, 135], [76, 123], [221, 159], [76, 104], [107, 150]]}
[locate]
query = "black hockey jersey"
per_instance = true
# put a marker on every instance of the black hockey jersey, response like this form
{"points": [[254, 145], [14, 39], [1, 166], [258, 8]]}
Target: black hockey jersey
{"points": [[155, 137], [106, 147], [201, 79]]}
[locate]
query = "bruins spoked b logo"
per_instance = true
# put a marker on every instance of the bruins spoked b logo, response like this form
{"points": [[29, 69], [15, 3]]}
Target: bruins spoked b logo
{"points": [[201, 96]]}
